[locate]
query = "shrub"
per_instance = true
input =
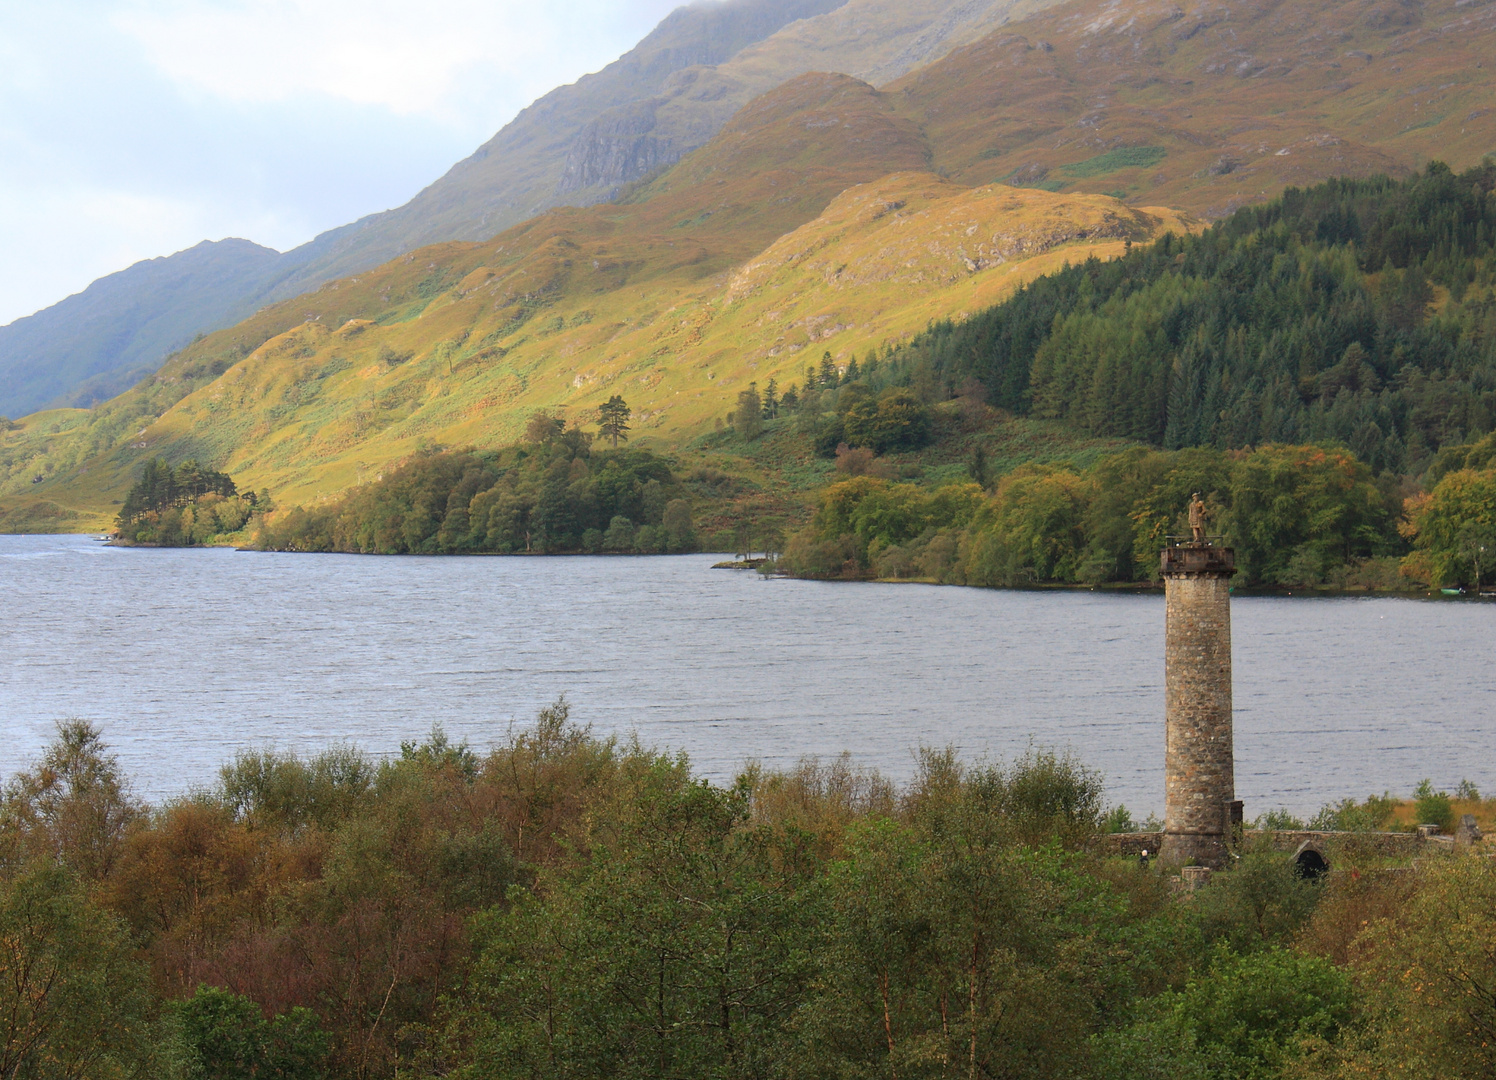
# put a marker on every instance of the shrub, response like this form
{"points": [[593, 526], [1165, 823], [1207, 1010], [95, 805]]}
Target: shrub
{"points": [[1278, 819], [1433, 807], [620, 534], [675, 524], [1118, 820], [74, 1002], [897, 421], [1351, 816], [227, 1038]]}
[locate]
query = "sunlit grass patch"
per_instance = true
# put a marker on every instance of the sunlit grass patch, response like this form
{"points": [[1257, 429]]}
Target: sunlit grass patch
{"points": [[1124, 157]]}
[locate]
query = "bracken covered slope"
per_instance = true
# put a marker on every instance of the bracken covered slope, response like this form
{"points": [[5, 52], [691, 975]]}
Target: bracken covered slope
{"points": [[732, 269], [1207, 105], [760, 250]]}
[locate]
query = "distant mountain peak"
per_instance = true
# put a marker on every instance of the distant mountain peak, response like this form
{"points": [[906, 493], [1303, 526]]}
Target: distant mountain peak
{"points": [[96, 343], [578, 144]]}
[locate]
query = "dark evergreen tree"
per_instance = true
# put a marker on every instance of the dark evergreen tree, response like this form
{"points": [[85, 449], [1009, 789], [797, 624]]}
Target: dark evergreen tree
{"points": [[830, 377], [771, 399], [161, 487], [613, 420]]}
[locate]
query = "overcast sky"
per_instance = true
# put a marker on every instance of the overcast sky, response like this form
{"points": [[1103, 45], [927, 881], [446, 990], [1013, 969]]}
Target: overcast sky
{"points": [[135, 128]]}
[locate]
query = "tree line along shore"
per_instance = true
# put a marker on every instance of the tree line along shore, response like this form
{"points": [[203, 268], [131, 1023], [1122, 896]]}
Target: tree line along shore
{"points": [[1322, 368]]}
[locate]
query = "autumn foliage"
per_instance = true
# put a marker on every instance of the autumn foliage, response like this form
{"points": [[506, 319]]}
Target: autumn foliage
{"points": [[570, 906]]}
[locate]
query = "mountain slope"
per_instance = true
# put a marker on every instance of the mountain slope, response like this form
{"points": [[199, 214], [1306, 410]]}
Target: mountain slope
{"points": [[1207, 106], [515, 174], [97, 343], [758, 251], [722, 272], [580, 143], [577, 145]]}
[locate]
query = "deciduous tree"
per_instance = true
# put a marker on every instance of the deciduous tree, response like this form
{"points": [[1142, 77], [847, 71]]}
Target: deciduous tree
{"points": [[748, 417], [74, 1002]]}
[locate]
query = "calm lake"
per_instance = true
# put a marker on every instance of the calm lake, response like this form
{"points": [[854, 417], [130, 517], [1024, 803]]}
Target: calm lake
{"points": [[186, 656]]}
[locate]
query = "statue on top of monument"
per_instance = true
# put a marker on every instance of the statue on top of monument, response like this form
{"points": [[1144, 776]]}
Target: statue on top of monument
{"points": [[1197, 519]]}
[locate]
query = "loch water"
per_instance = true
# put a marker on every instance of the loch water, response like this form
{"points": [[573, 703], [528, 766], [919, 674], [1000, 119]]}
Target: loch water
{"points": [[186, 656]]}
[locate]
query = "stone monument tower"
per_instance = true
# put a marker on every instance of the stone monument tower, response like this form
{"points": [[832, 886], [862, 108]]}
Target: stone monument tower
{"points": [[1200, 807]]}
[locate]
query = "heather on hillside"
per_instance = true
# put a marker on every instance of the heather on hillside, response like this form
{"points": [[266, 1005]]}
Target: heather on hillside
{"points": [[571, 906], [553, 495], [1357, 311]]}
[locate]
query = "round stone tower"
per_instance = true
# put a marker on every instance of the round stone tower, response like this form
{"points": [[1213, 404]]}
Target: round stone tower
{"points": [[1200, 807]]}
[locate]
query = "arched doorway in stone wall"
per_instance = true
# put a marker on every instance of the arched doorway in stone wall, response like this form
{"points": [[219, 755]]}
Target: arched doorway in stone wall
{"points": [[1310, 863]]}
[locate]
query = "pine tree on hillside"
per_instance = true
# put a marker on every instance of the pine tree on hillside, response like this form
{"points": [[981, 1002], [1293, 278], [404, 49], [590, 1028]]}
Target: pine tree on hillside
{"points": [[771, 399], [613, 420], [830, 377], [160, 486], [749, 415]]}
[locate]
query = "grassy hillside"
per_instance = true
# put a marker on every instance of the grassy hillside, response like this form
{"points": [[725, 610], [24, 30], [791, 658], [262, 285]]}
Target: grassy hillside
{"points": [[1189, 106], [101, 341], [675, 300], [577, 145], [827, 216], [1206, 106]]}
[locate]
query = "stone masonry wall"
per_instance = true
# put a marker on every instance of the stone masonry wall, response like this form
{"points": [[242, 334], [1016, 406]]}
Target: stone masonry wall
{"points": [[1332, 845], [1200, 780]]}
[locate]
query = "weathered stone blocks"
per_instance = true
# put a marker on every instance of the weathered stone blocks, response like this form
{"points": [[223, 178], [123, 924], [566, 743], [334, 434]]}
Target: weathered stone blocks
{"points": [[1200, 780]]}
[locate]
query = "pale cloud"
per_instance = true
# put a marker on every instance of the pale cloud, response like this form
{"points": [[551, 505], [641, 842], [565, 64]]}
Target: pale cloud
{"points": [[135, 128], [410, 58], [85, 231]]}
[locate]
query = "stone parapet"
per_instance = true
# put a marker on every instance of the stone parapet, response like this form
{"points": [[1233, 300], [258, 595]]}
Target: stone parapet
{"points": [[1332, 845], [1186, 559]]}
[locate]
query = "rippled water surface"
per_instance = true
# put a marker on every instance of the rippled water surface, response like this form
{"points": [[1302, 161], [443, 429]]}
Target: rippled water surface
{"points": [[186, 656]]}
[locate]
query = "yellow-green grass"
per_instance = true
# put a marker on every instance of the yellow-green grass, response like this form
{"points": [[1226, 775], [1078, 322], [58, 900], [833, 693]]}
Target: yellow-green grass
{"points": [[811, 223], [330, 401]]}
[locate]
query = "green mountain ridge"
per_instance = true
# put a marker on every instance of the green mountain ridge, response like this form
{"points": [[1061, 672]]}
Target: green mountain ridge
{"points": [[811, 223], [101, 341], [576, 145]]}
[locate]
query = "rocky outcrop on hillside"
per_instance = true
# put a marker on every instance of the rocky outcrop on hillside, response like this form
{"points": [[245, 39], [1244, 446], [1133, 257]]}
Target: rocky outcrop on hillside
{"points": [[620, 145], [872, 40], [580, 143], [520, 171]]}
